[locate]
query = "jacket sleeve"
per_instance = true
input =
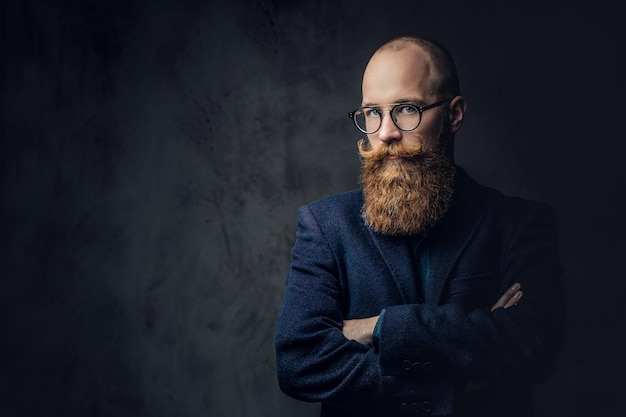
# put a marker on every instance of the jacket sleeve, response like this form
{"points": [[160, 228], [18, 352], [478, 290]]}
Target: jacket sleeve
{"points": [[519, 343], [315, 362]]}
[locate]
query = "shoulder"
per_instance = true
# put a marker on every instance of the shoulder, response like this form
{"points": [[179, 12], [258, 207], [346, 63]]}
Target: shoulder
{"points": [[497, 206], [347, 200], [336, 211], [346, 203]]}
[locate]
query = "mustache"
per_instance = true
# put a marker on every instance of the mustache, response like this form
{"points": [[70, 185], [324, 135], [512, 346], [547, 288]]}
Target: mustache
{"points": [[385, 150]]}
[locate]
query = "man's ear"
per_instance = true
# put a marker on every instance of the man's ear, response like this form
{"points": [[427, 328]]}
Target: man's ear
{"points": [[458, 107]]}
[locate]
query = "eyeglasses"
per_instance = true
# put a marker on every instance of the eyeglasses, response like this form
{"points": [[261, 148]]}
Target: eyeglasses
{"points": [[405, 116]]}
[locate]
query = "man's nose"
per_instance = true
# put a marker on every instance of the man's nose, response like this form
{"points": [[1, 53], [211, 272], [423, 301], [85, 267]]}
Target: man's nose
{"points": [[388, 130]]}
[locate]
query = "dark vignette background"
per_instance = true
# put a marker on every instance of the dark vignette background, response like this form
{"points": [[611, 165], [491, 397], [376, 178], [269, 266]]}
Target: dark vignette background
{"points": [[154, 154]]}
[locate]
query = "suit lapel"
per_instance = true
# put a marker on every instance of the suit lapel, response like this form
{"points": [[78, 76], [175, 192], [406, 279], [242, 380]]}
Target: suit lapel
{"points": [[453, 235], [397, 254]]}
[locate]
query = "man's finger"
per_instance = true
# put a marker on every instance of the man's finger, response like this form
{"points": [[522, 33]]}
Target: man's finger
{"points": [[510, 298], [514, 300]]}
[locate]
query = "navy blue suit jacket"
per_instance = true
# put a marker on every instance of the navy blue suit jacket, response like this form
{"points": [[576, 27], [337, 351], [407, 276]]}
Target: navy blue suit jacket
{"points": [[429, 347]]}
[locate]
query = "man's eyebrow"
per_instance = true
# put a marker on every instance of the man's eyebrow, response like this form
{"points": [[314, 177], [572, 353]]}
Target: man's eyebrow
{"points": [[412, 100]]}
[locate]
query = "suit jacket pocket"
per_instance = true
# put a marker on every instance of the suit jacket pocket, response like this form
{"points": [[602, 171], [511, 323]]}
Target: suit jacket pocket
{"points": [[474, 291]]}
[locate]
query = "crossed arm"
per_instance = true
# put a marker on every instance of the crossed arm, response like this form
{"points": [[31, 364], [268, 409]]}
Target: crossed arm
{"points": [[362, 330]]}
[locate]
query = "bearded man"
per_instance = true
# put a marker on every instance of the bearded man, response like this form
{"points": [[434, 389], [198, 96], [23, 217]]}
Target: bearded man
{"points": [[405, 296]]}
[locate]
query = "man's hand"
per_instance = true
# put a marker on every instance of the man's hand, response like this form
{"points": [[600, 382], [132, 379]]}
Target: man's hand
{"points": [[361, 330], [510, 298]]}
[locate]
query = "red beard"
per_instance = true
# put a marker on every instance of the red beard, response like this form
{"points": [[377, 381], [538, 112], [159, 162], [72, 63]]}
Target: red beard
{"points": [[408, 195]]}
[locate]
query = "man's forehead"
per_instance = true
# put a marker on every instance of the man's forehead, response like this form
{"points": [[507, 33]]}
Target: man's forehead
{"points": [[396, 76], [402, 100]]}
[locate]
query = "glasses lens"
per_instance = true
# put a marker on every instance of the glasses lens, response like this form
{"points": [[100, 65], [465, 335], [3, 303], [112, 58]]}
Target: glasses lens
{"points": [[406, 116], [367, 119]]}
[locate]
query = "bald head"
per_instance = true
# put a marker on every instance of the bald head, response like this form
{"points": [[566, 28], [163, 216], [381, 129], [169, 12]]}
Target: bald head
{"points": [[395, 75], [444, 75]]}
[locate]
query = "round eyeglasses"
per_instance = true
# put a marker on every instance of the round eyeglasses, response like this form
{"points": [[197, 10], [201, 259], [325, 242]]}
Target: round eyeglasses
{"points": [[405, 116]]}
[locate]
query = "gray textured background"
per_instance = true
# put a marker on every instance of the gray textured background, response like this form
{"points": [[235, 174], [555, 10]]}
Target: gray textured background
{"points": [[155, 153]]}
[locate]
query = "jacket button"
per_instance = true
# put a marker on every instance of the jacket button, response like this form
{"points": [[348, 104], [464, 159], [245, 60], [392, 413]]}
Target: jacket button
{"points": [[425, 407], [411, 366], [417, 367]]}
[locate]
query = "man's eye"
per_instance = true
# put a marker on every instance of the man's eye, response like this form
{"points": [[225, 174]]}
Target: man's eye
{"points": [[408, 109], [372, 112]]}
